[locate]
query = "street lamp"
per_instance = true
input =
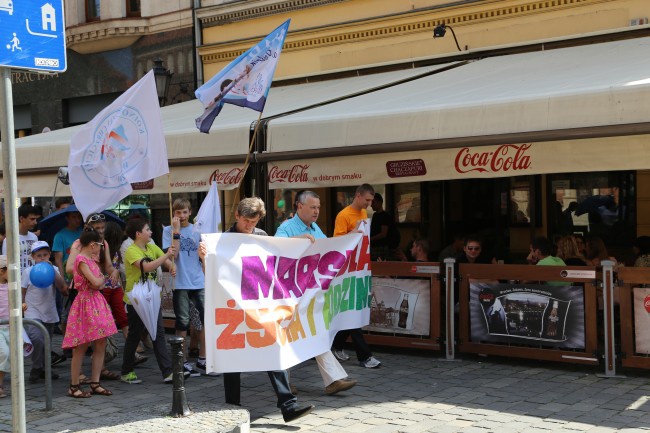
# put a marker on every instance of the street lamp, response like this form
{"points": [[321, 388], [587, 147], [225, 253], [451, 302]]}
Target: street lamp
{"points": [[440, 30], [163, 77]]}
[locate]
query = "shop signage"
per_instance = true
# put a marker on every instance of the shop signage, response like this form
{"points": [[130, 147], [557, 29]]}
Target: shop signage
{"points": [[297, 173], [229, 177], [142, 185], [641, 305], [406, 168], [506, 158]]}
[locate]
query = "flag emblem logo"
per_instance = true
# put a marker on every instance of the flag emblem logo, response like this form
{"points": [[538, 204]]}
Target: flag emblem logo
{"points": [[119, 145]]}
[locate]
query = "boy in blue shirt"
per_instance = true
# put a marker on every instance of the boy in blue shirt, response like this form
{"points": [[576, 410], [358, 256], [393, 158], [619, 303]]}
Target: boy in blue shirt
{"points": [[189, 283]]}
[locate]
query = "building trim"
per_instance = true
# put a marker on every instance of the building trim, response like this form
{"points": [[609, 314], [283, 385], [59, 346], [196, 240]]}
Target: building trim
{"points": [[302, 39]]}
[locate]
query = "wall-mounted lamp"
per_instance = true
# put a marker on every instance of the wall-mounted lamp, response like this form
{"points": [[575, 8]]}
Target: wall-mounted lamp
{"points": [[440, 30]]}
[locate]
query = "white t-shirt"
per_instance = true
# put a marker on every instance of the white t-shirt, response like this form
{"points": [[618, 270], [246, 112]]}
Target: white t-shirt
{"points": [[25, 247], [41, 303]]}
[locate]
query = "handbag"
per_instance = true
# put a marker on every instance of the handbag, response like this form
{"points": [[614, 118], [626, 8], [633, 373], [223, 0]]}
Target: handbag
{"points": [[111, 350]]}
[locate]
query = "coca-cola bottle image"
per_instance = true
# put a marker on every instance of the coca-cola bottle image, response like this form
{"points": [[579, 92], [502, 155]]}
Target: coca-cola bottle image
{"points": [[551, 329], [403, 312]]}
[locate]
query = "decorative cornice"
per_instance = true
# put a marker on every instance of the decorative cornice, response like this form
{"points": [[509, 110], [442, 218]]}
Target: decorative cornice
{"points": [[208, 19], [296, 41]]}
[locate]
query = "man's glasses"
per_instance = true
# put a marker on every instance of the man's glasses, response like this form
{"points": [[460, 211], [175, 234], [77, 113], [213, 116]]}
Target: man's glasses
{"points": [[474, 248], [96, 217]]}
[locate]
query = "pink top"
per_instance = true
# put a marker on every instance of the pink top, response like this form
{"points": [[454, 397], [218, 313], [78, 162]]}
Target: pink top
{"points": [[4, 301]]}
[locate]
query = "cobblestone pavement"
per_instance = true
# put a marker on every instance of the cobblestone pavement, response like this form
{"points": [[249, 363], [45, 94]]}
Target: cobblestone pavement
{"points": [[411, 392]]}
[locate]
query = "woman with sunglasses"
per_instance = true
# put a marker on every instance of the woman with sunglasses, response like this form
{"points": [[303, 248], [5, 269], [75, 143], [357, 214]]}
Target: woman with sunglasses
{"points": [[90, 318], [102, 256]]}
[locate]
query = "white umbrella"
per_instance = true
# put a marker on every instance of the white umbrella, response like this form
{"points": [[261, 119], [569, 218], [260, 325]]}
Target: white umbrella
{"points": [[145, 298]]}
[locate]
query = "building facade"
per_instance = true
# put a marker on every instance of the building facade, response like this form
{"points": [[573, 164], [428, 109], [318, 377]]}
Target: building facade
{"points": [[332, 40]]}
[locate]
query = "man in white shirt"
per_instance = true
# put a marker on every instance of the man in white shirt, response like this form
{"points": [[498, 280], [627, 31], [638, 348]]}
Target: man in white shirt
{"points": [[27, 220]]}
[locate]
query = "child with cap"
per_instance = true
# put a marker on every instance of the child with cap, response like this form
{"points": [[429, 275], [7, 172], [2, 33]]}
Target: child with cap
{"points": [[41, 306]]}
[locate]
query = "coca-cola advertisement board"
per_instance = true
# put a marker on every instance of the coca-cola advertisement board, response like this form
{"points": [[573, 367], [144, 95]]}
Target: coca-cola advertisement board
{"points": [[642, 320], [400, 306], [546, 315]]}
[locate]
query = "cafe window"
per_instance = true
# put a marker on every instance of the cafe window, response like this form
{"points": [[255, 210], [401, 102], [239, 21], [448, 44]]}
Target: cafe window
{"points": [[600, 204], [132, 8], [407, 202], [92, 10], [524, 200]]}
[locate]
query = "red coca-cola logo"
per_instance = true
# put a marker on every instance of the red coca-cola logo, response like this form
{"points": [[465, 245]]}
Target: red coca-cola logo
{"points": [[230, 177], [296, 174], [646, 303], [507, 157]]}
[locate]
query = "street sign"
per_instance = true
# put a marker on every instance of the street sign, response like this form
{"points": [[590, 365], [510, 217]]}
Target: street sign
{"points": [[32, 35]]}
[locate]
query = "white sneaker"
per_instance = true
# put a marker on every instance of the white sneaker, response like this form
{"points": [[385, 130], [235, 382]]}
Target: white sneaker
{"points": [[341, 355], [170, 377], [371, 363]]}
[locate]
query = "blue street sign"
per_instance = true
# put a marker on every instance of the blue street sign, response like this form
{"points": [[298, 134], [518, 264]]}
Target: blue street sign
{"points": [[32, 35]]}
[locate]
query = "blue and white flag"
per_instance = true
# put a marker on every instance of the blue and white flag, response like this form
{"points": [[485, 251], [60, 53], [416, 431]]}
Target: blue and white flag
{"points": [[209, 216], [123, 144], [245, 81]]}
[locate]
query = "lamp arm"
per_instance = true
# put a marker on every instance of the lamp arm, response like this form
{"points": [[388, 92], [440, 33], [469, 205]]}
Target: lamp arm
{"points": [[454, 35]]}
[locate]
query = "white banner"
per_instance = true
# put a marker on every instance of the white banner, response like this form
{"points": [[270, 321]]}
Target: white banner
{"points": [[272, 303]]}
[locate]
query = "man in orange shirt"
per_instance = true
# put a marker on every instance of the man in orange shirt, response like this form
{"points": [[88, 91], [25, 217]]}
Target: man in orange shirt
{"points": [[348, 221]]}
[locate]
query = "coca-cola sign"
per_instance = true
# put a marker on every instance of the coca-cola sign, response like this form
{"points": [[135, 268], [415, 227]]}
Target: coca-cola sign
{"points": [[297, 173], [406, 168], [506, 158], [230, 177]]}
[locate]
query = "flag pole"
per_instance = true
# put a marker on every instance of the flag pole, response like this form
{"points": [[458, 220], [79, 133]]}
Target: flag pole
{"points": [[171, 216], [247, 161]]}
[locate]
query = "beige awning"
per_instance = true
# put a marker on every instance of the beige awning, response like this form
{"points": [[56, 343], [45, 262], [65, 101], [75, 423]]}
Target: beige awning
{"points": [[194, 156], [593, 86]]}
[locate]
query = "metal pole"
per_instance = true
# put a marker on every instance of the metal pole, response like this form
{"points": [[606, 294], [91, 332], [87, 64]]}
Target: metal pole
{"points": [[450, 309], [180, 407], [13, 256], [608, 318]]}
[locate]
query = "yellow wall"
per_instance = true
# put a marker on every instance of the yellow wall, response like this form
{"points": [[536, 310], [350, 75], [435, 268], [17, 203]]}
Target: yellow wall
{"points": [[357, 33]]}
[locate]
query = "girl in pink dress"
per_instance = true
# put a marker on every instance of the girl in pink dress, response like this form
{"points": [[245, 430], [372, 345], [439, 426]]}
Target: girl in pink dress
{"points": [[90, 318]]}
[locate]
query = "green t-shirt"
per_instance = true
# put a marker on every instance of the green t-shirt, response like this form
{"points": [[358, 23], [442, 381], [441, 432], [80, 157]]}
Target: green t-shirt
{"points": [[553, 261], [132, 255]]}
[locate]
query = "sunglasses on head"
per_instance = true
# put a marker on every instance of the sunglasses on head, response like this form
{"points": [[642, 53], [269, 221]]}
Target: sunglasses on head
{"points": [[96, 217]]}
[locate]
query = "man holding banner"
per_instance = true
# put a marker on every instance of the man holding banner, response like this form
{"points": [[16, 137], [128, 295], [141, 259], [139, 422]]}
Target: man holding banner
{"points": [[249, 212], [303, 224], [347, 221]]}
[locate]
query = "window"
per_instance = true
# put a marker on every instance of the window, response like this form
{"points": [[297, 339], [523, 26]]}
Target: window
{"points": [[92, 10], [132, 8], [600, 204]]}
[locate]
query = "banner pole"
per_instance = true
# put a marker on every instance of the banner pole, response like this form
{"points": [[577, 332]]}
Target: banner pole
{"points": [[171, 216], [246, 162]]}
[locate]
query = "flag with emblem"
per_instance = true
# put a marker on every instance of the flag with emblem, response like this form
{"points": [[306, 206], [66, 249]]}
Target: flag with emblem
{"points": [[123, 144]]}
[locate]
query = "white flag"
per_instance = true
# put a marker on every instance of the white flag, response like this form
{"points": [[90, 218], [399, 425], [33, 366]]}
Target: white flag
{"points": [[121, 145], [209, 216]]}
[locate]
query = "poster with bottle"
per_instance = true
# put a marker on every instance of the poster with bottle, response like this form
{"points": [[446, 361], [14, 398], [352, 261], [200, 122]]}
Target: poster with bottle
{"points": [[547, 315], [400, 306], [642, 319]]}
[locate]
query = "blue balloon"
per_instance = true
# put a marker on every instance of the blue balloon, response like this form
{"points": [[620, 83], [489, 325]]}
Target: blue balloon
{"points": [[42, 275]]}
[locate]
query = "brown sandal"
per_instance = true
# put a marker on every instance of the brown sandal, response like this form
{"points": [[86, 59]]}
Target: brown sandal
{"points": [[106, 374], [83, 379], [97, 388], [75, 391]]}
